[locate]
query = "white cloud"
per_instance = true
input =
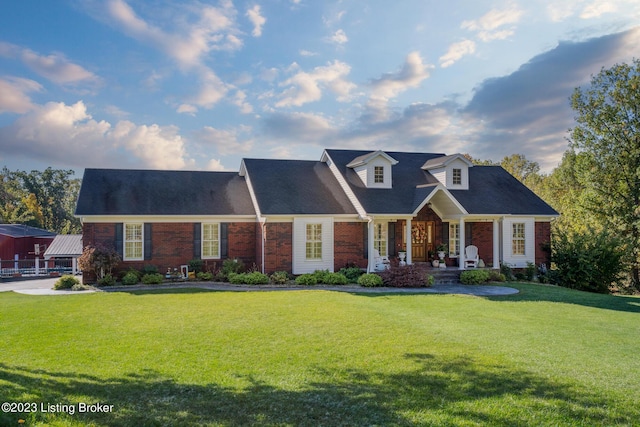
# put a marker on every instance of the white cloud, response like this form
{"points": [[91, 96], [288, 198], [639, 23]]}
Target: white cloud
{"points": [[598, 8], [412, 73], [304, 52], [14, 92], [457, 51], [306, 87], [54, 67], [215, 165], [490, 26], [339, 37], [187, 108], [69, 135], [225, 141], [239, 100], [256, 19]]}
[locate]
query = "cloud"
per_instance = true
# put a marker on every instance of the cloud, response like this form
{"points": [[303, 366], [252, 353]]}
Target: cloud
{"points": [[67, 134], [256, 19], [54, 67], [14, 92], [296, 127], [457, 51], [240, 101], [490, 26], [304, 87], [529, 109], [339, 37], [215, 165], [598, 8], [225, 142]]}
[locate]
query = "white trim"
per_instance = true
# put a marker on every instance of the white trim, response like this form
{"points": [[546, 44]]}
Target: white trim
{"points": [[343, 184], [167, 218], [254, 200], [300, 263], [124, 241], [442, 188], [202, 255]]}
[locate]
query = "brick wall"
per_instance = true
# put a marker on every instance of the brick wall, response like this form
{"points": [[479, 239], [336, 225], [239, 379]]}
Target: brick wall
{"points": [[482, 237], [348, 240], [543, 238], [278, 250], [242, 242]]}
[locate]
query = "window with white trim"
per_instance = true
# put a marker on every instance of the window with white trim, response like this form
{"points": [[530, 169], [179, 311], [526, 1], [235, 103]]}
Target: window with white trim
{"points": [[314, 242], [454, 239], [211, 240], [380, 238], [518, 240], [457, 177], [378, 174], [133, 242]]}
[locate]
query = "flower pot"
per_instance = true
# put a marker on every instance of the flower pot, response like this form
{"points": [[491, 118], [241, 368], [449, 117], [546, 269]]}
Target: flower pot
{"points": [[435, 263]]}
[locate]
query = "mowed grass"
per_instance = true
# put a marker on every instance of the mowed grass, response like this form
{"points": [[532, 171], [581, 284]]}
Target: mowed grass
{"points": [[546, 356]]}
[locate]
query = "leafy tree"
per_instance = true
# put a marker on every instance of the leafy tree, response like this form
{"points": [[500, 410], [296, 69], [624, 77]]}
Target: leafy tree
{"points": [[608, 134], [524, 170]]}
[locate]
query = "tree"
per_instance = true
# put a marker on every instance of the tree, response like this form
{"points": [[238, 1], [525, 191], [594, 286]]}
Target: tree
{"points": [[525, 171], [608, 134]]}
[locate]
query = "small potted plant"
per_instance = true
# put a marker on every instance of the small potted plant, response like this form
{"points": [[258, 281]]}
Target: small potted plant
{"points": [[442, 249]]}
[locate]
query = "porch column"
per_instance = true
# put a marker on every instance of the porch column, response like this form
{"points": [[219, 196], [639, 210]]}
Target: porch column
{"points": [[371, 247], [496, 244], [407, 239], [461, 237], [74, 265]]}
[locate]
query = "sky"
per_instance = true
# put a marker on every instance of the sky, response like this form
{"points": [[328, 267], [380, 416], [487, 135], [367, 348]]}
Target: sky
{"points": [[200, 85]]}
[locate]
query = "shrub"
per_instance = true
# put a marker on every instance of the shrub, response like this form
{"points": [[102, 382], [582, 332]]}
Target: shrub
{"points": [[149, 269], [66, 282], [280, 277], [587, 262], [229, 268], [307, 279], [530, 271], [80, 287], [351, 273], [335, 279], [370, 280], [107, 280], [131, 278], [152, 279], [496, 276], [253, 278], [195, 265], [406, 276], [205, 276], [506, 270], [99, 259], [474, 277], [321, 275]]}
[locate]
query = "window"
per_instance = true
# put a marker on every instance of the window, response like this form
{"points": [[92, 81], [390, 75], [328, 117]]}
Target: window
{"points": [[518, 241], [454, 239], [210, 240], [314, 242], [378, 174], [380, 238], [457, 177], [133, 242]]}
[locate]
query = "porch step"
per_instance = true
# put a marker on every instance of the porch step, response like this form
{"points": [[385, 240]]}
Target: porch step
{"points": [[445, 276]]}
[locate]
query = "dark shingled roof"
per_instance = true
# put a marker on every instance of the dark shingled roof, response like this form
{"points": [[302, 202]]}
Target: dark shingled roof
{"points": [[492, 190], [296, 187], [21, 230], [153, 192]]}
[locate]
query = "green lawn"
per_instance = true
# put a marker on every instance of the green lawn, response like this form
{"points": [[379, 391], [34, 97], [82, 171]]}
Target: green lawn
{"points": [[546, 356]]}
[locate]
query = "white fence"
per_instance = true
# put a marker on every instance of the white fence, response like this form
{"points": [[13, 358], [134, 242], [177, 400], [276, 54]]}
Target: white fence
{"points": [[37, 267]]}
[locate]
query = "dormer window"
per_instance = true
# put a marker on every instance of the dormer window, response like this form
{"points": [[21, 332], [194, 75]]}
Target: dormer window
{"points": [[378, 174], [374, 169], [457, 176]]}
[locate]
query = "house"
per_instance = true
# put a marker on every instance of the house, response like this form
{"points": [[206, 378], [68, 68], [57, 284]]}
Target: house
{"points": [[299, 216]]}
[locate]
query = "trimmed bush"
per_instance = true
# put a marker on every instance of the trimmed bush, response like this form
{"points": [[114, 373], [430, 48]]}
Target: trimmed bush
{"points": [[474, 277], [280, 277], [370, 280], [321, 275], [195, 265], [131, 278], [149, 269], [307, 280], [351, 273], [204, 276], [335, 279], [406, 276], [253, 278], [496, 276], [152, 279], [66, 282], [107, 280]]}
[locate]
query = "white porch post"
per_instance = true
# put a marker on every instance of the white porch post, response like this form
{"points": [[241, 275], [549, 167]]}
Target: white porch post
{"points": [[372, 262], [74, 265], [496, 244], [462, 240], [407, 239]]}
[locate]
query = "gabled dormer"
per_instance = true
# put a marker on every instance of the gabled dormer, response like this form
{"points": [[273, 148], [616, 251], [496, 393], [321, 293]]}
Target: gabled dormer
{"points": [[452, 171], [374, 169]]}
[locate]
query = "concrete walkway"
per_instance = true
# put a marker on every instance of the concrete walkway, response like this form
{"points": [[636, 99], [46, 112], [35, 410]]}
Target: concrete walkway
{"points": [[44, 287]]}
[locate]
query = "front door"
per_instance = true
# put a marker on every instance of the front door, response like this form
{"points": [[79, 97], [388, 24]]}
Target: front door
{"points": [[421, 240]]}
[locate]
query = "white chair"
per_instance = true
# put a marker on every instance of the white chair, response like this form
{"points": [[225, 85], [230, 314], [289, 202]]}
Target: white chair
{"points": [[471, 257], [380, 263]]}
